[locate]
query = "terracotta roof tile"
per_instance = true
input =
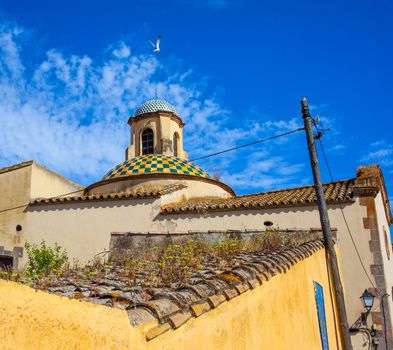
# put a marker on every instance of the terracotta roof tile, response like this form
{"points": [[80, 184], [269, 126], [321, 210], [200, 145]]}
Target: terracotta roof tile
{"points": [[151, 191], [337, 191], [168, 309]]}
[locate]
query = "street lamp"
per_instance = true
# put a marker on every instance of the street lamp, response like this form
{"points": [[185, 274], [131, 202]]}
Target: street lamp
{"points": [[367, 300], [360, 324]]}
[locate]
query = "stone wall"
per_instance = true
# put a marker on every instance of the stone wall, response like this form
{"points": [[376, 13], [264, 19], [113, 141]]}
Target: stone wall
{"points": [[136, 242]]}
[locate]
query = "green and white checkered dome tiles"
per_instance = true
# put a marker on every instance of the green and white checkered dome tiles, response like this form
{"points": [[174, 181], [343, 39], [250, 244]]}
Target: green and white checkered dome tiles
{"points": [[155, 164]]}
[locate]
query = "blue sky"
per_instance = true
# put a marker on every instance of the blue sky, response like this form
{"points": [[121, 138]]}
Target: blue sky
{"points": [[72, 72]]}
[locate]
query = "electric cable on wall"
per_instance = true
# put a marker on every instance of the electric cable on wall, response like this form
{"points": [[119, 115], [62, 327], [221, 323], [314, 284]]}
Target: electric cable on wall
{"points": [[381, 295], [25, 205]]}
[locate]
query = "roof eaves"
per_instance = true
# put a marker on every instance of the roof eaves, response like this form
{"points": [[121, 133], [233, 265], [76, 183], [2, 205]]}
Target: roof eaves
{"points": [[285, 198], [173, 309], [171, 208], [16, 166], [110, 196]]}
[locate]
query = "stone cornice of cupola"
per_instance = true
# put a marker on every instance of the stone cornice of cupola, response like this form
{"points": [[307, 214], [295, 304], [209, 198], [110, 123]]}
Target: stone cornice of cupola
{"points": [[172, 116]]}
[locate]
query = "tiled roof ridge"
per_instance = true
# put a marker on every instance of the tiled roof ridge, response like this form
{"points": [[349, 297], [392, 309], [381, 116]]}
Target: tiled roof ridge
{"points": [[16, 166], [157, 192], [335, 191], [171, 310], [296, 188]]}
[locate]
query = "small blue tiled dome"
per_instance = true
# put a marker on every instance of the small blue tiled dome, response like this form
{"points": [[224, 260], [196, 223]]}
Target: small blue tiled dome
{"points": [[154, 106]]}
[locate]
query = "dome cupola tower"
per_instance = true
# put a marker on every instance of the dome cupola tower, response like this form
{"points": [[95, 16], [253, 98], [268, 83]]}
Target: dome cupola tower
{"points": [[156, 128], [155, 160]]}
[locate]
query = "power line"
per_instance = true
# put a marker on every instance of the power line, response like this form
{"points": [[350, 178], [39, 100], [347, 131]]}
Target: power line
{"points": [[25, 205], [248, 144], [203, 157], [345, 219]]}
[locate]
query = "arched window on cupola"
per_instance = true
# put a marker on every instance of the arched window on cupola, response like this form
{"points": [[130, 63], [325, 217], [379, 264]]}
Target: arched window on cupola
{"points": [[147, 141], [176, 144]]}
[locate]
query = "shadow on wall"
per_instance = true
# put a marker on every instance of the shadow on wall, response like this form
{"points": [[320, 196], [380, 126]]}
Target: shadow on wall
{"points": [[222, 214]]}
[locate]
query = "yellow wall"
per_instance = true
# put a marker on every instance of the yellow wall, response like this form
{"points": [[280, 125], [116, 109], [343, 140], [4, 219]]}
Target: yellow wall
{"points": [[36, 320], [356, 281], [280, 314]]}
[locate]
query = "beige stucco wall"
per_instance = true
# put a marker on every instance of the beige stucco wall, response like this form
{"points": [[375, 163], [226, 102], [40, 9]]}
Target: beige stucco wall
{"points": [[386, 248], [15, 192], [280, 314], [46, 183], [84, 228], [18, 187], [163, 126]]}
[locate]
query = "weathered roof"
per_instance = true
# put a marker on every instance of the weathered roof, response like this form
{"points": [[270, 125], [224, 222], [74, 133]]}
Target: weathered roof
{"points": [[142, 191], [169, 308], [16, 166], [337, 191]]}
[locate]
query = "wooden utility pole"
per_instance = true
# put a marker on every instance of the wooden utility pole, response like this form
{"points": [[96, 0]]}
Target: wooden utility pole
{"points": [[327, 234]]}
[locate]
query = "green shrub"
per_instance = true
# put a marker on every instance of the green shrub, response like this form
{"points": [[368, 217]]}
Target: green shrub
{"points": [[44, 260]]}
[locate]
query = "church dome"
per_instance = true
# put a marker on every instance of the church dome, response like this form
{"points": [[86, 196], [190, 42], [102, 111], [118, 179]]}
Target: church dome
{"points": [[155, 164], [155, 106]]}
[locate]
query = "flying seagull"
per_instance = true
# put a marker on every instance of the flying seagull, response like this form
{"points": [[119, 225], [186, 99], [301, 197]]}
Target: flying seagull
{"points": [[156, 45]]}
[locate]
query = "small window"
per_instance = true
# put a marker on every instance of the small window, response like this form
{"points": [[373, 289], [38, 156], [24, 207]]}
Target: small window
{"points": [[175, 144], [268, 223], [18, 228], [147, 141]]}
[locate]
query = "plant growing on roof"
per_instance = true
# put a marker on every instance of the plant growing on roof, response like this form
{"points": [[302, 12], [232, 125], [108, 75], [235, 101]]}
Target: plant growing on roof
{"points": [[44, 260]]}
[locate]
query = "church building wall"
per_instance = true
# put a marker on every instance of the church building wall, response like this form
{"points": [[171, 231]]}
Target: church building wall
{"points": [[15, 193], [380, 246], [84, 228], [46, 183], [18, 186]]}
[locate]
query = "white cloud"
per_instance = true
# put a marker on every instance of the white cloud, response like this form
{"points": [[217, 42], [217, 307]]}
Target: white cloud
{"points": [[70, 113], [377, 143], [380, 152]]}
